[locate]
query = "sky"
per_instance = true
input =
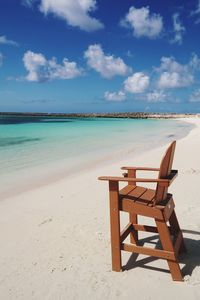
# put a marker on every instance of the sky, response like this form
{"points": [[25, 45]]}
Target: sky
{"points": [[100, 56]]}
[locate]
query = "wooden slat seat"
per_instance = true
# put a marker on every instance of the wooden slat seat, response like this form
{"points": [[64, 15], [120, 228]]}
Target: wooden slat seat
{"points": [[126, 190], [138, 194]]}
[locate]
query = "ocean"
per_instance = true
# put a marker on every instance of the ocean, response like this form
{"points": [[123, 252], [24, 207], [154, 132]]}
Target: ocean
{"points": [[38, 149]]}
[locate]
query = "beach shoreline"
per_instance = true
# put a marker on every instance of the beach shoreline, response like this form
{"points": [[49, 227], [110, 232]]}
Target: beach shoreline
{"points": [[57, 241], [133, 144]]}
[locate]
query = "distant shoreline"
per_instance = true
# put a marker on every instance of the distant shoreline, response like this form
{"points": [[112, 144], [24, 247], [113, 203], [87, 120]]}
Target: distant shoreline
{"points": [[132, 115]]}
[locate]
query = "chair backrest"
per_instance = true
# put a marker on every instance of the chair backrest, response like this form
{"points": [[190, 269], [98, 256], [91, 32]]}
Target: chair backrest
{"points": [[165, 170]]}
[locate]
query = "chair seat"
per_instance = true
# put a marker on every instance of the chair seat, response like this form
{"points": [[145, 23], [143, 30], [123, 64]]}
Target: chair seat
{"points": [[138, 194]]}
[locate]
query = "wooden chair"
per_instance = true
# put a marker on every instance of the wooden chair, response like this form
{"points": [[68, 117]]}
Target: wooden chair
{"points": [[157, 204]]}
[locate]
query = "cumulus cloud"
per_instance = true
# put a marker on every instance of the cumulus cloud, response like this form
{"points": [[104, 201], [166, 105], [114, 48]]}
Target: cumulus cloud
{"points": [[5, 41], [120, 96], [143, 23], [176, 75], [170, 64], [179, 29], [1, 59], [74, 12], [174, 80], [40, 69], [196, 12], [195, 97], [136, 83], [156, 96], [107, 65]]}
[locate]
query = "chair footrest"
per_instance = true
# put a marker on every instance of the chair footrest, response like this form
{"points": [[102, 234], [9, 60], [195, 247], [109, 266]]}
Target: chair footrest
{"points": [[149, 251], [137, 227]]}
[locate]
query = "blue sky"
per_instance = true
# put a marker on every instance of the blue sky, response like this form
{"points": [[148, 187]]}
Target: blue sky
{"points": [[99, 55]]}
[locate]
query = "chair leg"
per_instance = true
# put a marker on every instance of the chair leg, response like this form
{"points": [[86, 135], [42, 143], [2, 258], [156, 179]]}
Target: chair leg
{"points": [[133, 218], [175, 270], [115, 226], [167, 245], [173, 221], [134, 234]]}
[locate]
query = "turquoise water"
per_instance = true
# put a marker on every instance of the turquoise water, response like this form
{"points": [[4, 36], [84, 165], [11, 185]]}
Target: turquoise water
{"points": [[36, 145]]}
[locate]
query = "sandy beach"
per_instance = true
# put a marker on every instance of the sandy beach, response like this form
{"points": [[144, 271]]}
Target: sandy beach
{"points": [[55, 240]]}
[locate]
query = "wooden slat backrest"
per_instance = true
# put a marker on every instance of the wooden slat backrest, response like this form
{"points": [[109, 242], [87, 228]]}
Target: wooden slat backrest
{"points": [[165, 169]]}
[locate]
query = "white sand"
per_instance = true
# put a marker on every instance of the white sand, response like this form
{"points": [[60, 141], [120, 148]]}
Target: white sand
{"points": [[55, 241]]}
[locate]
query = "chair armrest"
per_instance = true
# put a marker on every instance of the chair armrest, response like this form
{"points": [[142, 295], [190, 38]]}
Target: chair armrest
{"points": [[140, 169], [162, 182]]}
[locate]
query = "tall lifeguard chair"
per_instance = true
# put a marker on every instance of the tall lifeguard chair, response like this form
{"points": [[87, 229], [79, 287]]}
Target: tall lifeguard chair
{"points": [[157, 204]]}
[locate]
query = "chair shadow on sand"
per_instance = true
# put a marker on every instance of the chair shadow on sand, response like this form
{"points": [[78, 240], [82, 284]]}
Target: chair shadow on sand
{"points": [[190, 260]]}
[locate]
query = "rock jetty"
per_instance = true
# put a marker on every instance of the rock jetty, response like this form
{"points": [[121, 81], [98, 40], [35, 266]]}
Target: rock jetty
{"points": [[130, 115]]}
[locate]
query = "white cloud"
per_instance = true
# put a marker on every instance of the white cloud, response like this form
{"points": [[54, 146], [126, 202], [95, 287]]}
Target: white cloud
{"points": [[171, 65], [74, 12], [1, 59], [107, 65], [143, 23], [136, 83], [120, 96], [174, 80], [195, 97], [40, 69], [156, 96], [34, 62], [175, 75], [194, 62], [196, 12], [179, 29], [5, 41]]}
